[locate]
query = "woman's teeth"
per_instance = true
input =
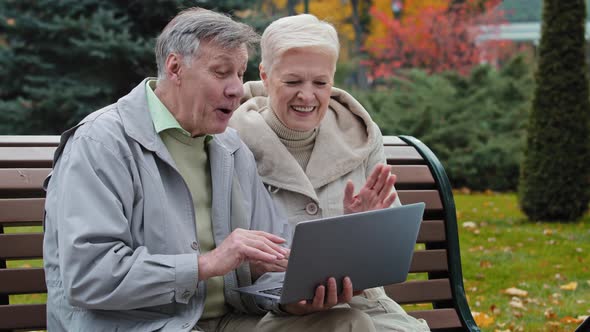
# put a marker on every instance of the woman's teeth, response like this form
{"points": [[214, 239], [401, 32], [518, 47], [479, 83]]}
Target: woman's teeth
{"points": [[303, 108]]}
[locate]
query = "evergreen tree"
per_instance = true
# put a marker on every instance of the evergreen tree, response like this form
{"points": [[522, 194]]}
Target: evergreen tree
{"points": [[555, 177], [61, 60]]}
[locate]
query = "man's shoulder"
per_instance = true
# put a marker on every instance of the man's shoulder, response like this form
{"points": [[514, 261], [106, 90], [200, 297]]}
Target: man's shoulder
{"points": [[229, 139], [103, 127]]}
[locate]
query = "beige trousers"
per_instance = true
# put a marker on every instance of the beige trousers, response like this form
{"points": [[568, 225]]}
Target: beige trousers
{"points": [[371, 311], [335, 319]]}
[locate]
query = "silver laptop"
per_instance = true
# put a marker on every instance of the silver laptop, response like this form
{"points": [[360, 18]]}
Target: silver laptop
{"points": [[373, 248]]}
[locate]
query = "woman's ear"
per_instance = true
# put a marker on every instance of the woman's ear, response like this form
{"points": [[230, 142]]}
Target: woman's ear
{"points": [[263, 75]]}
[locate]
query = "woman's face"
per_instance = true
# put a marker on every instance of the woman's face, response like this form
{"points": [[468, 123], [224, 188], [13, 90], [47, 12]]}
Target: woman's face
{"points": [[299, 87]]}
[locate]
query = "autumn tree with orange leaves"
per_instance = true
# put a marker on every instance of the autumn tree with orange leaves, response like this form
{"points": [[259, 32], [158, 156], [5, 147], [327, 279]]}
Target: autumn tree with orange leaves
{"points": [[436, 38]]}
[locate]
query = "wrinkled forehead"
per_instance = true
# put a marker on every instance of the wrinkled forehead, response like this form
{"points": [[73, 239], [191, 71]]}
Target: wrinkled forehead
{"points": [[212, 52]]}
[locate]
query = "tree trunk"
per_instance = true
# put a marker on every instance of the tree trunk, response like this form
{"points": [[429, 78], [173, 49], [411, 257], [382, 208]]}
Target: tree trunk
{"points": [[361, 74]]}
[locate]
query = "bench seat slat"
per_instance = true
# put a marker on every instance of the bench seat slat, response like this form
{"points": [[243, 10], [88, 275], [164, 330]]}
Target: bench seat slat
{"points": [[24, 157], [439, 318], [21, 246], [22, 281], [21, 210], [429, 261], [421, 291], [23, 316], [431, 231], [23, 178]]}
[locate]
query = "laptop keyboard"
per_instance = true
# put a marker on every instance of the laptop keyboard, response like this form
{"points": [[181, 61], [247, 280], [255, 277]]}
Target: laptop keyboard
{"points": [[273, 291]]}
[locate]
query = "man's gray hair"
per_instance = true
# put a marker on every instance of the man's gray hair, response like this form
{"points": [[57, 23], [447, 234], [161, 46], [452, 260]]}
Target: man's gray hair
{"points": [[295, 32], [184, 33]]}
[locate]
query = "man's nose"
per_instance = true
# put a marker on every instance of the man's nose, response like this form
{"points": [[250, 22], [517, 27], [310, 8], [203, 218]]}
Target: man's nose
{"points": [[234, 89]]}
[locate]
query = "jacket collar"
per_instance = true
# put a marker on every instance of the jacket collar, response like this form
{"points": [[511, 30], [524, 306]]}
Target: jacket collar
{"points": [[138, 124]]}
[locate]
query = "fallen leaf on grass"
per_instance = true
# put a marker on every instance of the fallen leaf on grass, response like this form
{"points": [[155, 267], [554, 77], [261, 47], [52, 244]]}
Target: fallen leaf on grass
{"points": [[569, 286], [516, 303], [482, 319], [513, 291], [469, 225], [549, 314], [571, 320], [547, 231], [485, 264]]}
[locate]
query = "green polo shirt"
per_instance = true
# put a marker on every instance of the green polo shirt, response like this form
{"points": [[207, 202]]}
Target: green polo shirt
{"points": [[190, 155]]}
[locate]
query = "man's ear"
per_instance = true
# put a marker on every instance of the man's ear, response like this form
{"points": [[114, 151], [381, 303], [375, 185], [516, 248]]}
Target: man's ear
{"points": [[263, 75], [173, 67]]}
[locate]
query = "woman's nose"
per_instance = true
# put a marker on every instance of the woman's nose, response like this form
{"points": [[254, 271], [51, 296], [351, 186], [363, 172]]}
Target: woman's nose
{"points": [[306, 93]]}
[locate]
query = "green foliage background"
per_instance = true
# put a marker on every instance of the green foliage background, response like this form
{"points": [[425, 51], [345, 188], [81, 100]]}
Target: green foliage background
{"points": [[475, 124], [555, 180], [61, 60]]}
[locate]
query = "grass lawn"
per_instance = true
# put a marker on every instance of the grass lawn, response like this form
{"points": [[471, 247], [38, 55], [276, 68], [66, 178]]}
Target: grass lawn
{"points": [[521, 275]]}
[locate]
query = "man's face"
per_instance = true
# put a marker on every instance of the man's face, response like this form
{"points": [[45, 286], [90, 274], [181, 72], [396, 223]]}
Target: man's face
{"points": [[211, 88], [299, 87]]}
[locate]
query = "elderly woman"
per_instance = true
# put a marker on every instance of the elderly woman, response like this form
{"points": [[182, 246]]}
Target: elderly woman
{"points": [[314, 144]]}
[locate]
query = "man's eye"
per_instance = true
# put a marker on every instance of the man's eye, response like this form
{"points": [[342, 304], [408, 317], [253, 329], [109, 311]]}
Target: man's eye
{"points": [[320, 83], [292, 82]]}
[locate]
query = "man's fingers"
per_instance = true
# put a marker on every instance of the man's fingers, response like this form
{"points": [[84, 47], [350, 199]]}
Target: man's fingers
{"points": [[269, 236], [265, 245], [252, 253]]}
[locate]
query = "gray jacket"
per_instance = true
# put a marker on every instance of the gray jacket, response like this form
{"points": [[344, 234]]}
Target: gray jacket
{"points": [[120, 248]]}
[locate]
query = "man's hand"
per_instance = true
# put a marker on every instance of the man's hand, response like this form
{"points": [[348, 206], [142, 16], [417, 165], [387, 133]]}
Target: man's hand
{"points": [[240, 246], [258, 268], [375, 194], [324, 299]]}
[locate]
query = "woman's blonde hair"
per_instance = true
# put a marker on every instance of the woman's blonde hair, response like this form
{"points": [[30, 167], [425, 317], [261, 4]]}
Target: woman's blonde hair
{"points": [[295, 32]]}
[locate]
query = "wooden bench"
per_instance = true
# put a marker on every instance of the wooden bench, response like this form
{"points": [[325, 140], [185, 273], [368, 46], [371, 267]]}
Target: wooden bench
{"points": [[435, 286]]}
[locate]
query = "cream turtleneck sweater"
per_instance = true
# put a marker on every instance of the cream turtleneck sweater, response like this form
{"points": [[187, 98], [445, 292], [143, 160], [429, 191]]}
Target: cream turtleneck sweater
{"points": [[298, 143]]}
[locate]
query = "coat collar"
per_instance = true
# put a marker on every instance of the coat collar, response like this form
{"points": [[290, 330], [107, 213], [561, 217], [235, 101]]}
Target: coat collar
{"points": [[346, 136]]}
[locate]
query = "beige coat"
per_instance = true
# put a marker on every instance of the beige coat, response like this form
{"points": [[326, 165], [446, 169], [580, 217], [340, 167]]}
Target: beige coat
{"points": [[348, 146]]}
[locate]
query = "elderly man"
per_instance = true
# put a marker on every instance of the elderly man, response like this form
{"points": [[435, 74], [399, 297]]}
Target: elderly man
{"points": [[154, 211]]}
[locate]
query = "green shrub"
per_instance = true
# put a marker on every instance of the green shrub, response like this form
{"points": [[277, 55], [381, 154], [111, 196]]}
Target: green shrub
{"points": [[61, 60], [555, 179], [474, 124]]}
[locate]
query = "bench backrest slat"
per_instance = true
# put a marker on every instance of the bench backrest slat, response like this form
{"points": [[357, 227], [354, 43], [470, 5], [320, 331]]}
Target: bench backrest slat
{"points": [[21, 246], [26, 157], [422, 290], [22, 281], [21, 210], [23, 316]]}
